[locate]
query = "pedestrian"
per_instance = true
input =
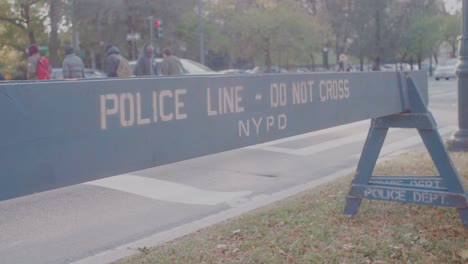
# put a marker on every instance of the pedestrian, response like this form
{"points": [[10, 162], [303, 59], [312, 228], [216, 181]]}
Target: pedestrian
{"points": [[38, 67], [116, 65], [342, 63], [171, 65], [21, 72], [2, 78], [144, 65], [72, 66]]}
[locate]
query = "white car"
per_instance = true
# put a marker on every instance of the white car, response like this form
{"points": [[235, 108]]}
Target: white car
{"points": [[445, 72], [190, 67]]}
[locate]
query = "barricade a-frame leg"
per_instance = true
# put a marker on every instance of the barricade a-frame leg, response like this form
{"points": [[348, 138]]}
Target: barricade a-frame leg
{"points": [[444, 190]]}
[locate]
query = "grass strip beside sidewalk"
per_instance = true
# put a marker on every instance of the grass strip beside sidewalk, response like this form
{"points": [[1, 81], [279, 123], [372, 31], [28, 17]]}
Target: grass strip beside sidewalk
{"points": [[311, 228]]}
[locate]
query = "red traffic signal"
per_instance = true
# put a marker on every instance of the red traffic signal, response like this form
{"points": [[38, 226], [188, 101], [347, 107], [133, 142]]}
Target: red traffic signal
{"points": [[157, 23]]}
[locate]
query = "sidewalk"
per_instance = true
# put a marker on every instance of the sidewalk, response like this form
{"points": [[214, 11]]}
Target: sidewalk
{"points": [[311, 228]]}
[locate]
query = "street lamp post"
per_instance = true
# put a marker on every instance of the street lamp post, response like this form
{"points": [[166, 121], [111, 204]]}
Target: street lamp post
{"points": [[201, 33], [459, 140], [73, 21]]}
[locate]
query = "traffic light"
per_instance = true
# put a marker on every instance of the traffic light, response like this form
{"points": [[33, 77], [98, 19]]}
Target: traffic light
{"points": [[158, 28]]}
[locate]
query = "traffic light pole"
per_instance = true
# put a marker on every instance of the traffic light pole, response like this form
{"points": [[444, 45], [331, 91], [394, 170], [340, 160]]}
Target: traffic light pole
{"points": [[459, 140], [73, 21], [151, 21]]}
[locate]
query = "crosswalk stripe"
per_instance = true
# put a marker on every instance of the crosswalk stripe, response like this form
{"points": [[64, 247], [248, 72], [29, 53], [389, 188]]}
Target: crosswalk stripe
{"points": [[166, 191]]}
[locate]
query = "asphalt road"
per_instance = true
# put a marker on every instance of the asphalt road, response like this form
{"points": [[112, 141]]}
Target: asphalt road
{"points": [[104, 220]]}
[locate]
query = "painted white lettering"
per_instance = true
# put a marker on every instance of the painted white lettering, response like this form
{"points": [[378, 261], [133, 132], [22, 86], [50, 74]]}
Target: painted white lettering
{"points": [[229, 101], [333, 90], [244, 128], [105, 111], [239, 108], [278, 95], [385, 194], [162, 96], [270, 121], [211, 112], [140, 120], [155, 107], [257, 124], [131, 109], [179, 104], [282, 122], [302, 92]]}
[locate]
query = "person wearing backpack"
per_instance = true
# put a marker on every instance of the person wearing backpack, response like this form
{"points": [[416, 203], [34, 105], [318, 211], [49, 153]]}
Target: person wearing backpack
{"points": [[116, 65], [38, 67]]}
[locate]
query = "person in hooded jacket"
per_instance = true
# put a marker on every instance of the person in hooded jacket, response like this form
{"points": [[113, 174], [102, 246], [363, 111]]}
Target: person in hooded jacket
{"points": [[144, 65], [171, 65], [112, 61], [72, 66]]}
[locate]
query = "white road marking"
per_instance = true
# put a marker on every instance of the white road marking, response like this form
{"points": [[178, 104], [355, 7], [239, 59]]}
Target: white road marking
{"points": [[443, 95], [401, 145], [316, 133], [359, 137], [166, 191]]}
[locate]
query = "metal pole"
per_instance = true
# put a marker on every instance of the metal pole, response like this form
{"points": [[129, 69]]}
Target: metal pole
{"points": [[459, 140], [73, 21], [200, 32], [151, 21]]}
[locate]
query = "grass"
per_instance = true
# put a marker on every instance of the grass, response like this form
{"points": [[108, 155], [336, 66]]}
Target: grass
{"points": [[311, 228]]}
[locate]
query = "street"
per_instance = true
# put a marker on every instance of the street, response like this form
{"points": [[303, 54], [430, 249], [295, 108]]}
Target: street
{"points": [[105, 220]]}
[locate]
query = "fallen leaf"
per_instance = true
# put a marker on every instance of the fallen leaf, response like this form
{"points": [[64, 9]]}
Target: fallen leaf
{"points": [[463, 254], [222, 247]]}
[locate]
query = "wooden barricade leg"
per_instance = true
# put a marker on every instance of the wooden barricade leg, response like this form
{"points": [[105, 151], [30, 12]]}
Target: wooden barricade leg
{"points": [[370, 154], [444, 190]]}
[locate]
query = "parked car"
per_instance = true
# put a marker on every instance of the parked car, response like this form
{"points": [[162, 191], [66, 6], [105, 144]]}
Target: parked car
{"points": [[57, 74], [446, 70], [233, 71], [190, 67], [93, 73], [387, 67], [264, 69]]}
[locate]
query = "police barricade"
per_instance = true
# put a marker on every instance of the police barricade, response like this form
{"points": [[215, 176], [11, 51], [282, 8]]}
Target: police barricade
{"points": [[57, 133]]}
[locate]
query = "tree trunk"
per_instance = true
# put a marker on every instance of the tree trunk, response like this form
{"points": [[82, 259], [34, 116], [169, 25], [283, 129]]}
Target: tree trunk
{"points": [[361, 61], [54, 14], [377, 38], [267, 54]]}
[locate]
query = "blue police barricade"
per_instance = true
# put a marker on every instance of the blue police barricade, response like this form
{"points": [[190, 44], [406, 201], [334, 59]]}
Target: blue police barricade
{"points": [[57, 133]]}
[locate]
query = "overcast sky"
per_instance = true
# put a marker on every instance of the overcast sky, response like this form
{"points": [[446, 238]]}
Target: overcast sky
{"points": [[452, 5]]}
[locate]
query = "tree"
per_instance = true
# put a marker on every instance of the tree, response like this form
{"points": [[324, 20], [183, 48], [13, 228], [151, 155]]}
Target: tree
{"points": [[451, 28], [23, 22], [55, 14], [269, 30]]}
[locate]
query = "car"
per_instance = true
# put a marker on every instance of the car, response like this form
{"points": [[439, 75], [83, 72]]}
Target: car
{"points": [[93, 73], [189, 67], [264, 69], [232, 71], [57, 73], [446, 70], [387, 67]]}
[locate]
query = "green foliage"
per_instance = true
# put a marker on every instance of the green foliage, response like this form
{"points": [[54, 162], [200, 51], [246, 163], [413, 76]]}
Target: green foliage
{"points": [[271, 30], [261, 32]]}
